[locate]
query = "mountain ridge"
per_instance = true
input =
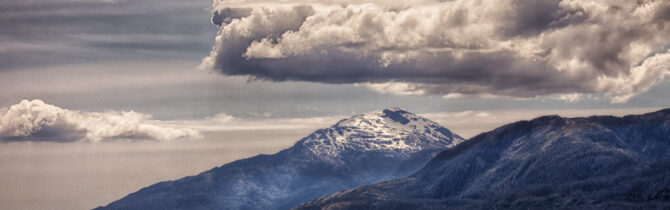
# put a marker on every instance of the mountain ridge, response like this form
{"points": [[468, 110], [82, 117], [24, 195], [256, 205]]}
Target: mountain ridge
{"points": [[362, 149], [547, 162]]}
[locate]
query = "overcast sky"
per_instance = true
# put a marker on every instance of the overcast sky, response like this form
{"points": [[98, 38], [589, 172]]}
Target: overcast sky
{"points": [[174, 77]]}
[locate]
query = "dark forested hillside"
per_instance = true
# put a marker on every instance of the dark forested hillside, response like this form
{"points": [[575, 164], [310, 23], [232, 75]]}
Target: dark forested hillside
{"points": [[549, 162]]}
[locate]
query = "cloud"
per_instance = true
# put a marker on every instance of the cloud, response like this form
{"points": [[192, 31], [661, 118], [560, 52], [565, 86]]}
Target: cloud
{"points": [[221, 118], [37, 121], [504, 48], [257, 122], [465, 123], [470, 123], [48, 32]]}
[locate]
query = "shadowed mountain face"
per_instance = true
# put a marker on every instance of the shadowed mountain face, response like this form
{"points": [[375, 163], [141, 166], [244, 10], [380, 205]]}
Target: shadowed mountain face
{"points": [[363, 149], [550, 162]]}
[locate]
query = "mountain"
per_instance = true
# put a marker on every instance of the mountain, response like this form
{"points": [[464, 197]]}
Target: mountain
{"points": [[599, 162], [363, 149]]}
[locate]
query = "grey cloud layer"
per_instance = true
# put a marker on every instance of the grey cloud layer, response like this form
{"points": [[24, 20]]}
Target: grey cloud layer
{"points": [[46, 32], [462, 47], [37, 121]]}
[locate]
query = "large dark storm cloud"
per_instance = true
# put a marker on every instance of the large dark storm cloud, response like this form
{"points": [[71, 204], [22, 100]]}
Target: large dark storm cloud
{"points": [[507, 48]]}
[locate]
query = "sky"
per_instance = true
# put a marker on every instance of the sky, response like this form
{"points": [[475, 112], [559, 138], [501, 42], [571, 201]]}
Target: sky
{"points": [[99, 98]]}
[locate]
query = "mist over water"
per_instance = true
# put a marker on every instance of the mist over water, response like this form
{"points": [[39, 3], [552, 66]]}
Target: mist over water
{"points": [[86, 175]]}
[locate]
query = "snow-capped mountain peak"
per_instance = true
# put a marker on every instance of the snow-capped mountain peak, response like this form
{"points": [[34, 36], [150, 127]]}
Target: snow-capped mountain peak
{"points": [[391, 120], [392, 130], [363, 149]]}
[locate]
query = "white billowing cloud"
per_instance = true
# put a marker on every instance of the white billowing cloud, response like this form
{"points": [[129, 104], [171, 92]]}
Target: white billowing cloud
{"points": [[37, 121], [510, 48], [652, 71], [221, 118]]}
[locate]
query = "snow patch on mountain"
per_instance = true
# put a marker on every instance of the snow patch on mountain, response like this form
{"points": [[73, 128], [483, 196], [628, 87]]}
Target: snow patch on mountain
{"points": [[392, 130]]}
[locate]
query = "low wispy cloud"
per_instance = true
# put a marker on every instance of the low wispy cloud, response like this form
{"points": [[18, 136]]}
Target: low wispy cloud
{"points": [[456, 48], [225, 122], [472, 122], [37, 121]]}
